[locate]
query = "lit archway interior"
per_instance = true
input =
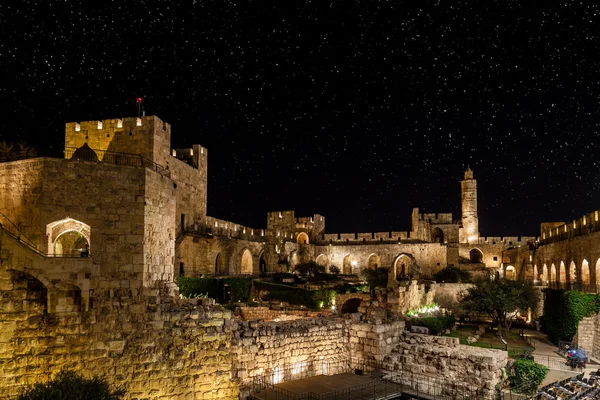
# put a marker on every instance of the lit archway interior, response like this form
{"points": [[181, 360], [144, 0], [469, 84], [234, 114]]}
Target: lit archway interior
{"points": [[544, 275], [476, 256], [69, 237], [572, 272], [553, 273], [510, 273], [597, 271], [302, 238], [348, 265], [246, 262], [403, 267], [374, 261], [562, 272], [536, 274], [585, 272]]}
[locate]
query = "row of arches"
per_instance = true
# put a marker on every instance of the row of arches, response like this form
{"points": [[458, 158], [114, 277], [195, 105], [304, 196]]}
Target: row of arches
{"points": [[404, 265], [560, 273], [246, 264]]}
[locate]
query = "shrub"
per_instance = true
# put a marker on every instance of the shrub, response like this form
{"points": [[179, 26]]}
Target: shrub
{"points": [[452, 274], [526, 375], [563, 310], [334, 269], [309, 269], [191, 286], [240, 288], [67, 385], [314, 299], [377, 277], [436, 325]]}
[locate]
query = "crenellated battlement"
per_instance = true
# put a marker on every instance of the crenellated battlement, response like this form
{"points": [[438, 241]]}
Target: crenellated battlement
{"points": [[222, 227], [556, 231], [506, 240], [436, 218], [367, 237]]}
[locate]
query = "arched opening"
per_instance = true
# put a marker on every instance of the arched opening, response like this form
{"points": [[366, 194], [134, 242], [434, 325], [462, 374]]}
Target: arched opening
{"points": [[71, 244], [536, 274], [510, 273], [374, 261], [476, 256], [294, 259], [262, 263], [585, 272], [562, 272], [597, 273], [348, 265], [302, 238], [544, 276], [572, 272], [553, 273], [323, 261], [23, 293], [437, 235], [68, 238], [404, 267], [246, 262], [351, 306], [220, 265]]}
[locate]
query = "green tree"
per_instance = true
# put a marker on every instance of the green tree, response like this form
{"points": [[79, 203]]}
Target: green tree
{"points": [[309, 269], [452, 274], [67, 385], [500, 299], [377, 277], [15, 151]]}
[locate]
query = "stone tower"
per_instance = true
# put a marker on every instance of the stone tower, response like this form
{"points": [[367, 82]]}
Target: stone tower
{"points": [[469, 233]]}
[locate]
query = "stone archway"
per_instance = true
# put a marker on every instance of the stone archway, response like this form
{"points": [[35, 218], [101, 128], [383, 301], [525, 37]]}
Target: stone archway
{"points": [[585, 272], [262, 263], [437, 235], [246, 263], [348, 265], [553, 275], [510, 274], [220, 269], [323, 261], [536, 274], [572, 275], [544, 276], [476, 256], [302, 238], [405, 267], [68, 238], [597, 273], [374, 261], [562, 272], [350, 306]]}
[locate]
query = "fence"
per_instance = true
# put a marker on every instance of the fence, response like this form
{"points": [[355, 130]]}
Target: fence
{"points": [[382, 383]]}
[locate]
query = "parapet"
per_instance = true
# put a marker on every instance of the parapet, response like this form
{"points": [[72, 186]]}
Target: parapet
{"points": [[561, 230]]}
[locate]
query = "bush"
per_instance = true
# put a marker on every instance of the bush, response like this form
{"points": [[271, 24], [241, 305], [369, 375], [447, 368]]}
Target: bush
{"points": [[436, 325], [376, 278], [67, 385], [334, 269], [310, 269], [314, 299], [526, 375], [240, 288], [563, 310], [349, 288], [452, 274], [190, 287]]}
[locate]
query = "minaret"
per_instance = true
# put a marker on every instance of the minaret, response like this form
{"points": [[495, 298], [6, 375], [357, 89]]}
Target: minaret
{"points": [[469, 233]]}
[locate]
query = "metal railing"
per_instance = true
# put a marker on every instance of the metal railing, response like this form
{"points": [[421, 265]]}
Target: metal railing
{"points": [[383, 384], [111, 157]]}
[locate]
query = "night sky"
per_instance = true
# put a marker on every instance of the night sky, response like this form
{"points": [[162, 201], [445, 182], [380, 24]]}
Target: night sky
{"points": [[356, 110]]}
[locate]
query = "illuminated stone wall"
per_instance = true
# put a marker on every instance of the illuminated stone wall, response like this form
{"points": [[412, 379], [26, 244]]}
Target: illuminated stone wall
{"points": [[157, 348]]}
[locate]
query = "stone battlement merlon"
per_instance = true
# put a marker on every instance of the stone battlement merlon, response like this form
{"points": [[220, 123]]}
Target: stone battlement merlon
{"points": [[232, 227], [436, 218], [506, 240], [361, 237]]}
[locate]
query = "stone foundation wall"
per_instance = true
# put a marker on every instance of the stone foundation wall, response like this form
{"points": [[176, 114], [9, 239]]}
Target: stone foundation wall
{"points": [[158, 349], [443, 358], [588, 335], [266, 314], [373, 342], [263, 348]]}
